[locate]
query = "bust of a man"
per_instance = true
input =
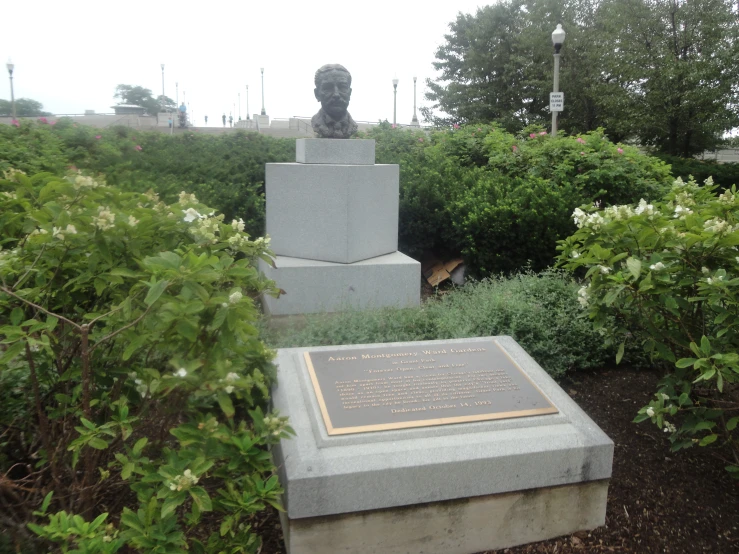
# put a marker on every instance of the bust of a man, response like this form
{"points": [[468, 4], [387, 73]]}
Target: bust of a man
{"points": [[333, 90]]}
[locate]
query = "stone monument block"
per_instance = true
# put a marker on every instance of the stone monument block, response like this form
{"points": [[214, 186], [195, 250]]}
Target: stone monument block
{"points": [[313, 286], [332, 212], [538, 467], [332, 151]]}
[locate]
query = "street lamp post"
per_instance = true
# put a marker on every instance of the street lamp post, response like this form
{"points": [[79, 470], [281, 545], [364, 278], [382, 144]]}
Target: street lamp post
{"points": [[239, 106], [264, 112], [558, 37], [162, 82], [414, 121], [247, 102], [10, 65], [395, 100]]}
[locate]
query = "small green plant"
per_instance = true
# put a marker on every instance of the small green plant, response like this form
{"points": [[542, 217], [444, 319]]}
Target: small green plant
{"points": [[667, 274], [539, 310], [132, 381]]}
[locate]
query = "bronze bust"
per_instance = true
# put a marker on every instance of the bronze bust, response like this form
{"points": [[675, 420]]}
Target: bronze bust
{"points": [[333, 90]]}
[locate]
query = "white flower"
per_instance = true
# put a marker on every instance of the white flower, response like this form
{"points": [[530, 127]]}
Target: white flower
{"points": [[224, 304], [186, 198], [582, 296], [104, 219], [231, 377], [191, 215], [705, 270], [644, 208], [650, 411], [681, 211], [657, 267], [235, 297], [664, 396], [669, 427], [229, 389], [575, 254], [238, 225], [56, 232], [717, 225], [71, 230], [604, 269], [182, 372], [132, 221]]}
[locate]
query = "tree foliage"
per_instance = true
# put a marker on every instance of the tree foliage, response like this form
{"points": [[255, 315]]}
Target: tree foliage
{"points": [[140, 96], [24, 107], [657, 71]]}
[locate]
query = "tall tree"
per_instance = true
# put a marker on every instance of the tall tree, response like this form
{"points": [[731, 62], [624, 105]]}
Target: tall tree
{"points": [[140, 96], [657, 71], [24, 107]]}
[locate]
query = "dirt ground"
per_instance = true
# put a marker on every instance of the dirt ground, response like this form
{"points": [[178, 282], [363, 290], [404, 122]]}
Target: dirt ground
{"points": [[658, 501]]}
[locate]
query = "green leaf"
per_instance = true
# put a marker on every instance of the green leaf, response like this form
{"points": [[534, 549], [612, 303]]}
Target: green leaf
{"points": [[98, 443], [634, 267], [708, 439], [171, 503], [685, 362], [134, 345], [127, 470], [12, 352], [16, 316], [201, 498], [155, 292], [224, 401], [620, 353], [705, 345], [139, 446], [731, 424]]}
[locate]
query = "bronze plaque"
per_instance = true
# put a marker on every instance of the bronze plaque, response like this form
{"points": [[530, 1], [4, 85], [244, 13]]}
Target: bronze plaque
{"points": [[397, 387]]}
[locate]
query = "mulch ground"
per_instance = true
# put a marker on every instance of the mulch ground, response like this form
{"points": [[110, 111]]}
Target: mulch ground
{"points": [[658, 501]]}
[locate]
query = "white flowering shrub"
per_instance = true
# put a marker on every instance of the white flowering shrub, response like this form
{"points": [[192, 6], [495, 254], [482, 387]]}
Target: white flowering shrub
{"points": [[668, 272], [132, 381]]}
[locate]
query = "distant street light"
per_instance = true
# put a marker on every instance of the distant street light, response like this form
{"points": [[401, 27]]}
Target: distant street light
{"points": [[247, 101], [264, 112], [162, 82], [395, 100], [414, 121], [10, 65], [558, 37]]}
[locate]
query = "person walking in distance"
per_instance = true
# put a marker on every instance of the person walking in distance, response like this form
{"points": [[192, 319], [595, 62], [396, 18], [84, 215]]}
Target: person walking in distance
{"points": [[206, 119], [223, 117], [230, 120]]}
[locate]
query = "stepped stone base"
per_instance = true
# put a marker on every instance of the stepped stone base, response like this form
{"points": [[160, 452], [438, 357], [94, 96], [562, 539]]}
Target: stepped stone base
{"points": [[315, 287]]}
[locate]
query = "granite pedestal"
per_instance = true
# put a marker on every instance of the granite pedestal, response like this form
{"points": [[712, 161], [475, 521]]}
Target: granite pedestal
{"points": [[333, 222], [450, 489]]}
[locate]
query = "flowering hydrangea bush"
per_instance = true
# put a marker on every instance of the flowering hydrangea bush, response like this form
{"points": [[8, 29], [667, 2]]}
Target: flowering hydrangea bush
{"points": [[668, 272], [132, 380]]}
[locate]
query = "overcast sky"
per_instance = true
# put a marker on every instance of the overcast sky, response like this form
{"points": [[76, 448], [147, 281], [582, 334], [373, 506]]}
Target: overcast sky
{"points": [[71, 54]]}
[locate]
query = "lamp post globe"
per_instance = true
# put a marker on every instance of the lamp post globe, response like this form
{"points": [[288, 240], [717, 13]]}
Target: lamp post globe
{"points": [[558, 37], [10, 65], [395, 100]]}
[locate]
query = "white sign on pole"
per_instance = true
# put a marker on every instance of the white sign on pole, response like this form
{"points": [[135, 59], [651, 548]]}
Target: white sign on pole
{"points": [[556, 101]]}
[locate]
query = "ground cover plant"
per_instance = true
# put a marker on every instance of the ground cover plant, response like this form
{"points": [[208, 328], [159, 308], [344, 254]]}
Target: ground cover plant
{"points": [[133, 385], [540, 311], [668, 274]]}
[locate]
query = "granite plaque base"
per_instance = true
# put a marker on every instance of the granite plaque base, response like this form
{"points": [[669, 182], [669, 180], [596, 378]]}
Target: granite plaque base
{"points": [[458, 488], [332, 212], [311, 286]]}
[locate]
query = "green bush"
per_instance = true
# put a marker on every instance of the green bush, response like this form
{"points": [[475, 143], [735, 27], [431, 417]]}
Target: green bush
{"points": [[666, 276], [132, 379], [540, 311], [503, 201], [723, 175]]}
